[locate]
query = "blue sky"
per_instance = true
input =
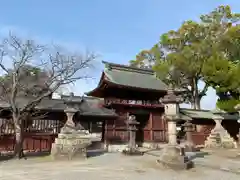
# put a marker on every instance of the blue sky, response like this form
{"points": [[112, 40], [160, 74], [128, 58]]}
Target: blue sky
{"points": [[116, 30]]}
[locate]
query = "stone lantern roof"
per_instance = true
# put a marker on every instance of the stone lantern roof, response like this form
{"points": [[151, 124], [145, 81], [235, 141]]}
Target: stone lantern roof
{"points": [[171, 97]]}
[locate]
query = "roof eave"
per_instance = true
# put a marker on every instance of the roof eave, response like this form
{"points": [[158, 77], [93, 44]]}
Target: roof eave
{"points": [[95, 90]]}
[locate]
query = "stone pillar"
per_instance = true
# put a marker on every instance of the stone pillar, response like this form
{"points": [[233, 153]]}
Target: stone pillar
{"points": [[71, 142], [172, 133], [69, 126], [188, 127]]}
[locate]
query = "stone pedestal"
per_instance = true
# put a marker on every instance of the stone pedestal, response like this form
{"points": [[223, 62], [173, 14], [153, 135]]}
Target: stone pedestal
{"points": [[69, 146], [219, 137], [173, 158], [172, 155], [71, 142]]}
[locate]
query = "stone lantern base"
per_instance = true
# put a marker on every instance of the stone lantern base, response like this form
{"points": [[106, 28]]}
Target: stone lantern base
{"points": [[220, 139], [70, 145], [174, 158]]}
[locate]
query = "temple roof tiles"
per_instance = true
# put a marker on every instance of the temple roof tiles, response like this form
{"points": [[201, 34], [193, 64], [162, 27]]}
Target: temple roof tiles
{"points": [[88, 106], [133, 77]]}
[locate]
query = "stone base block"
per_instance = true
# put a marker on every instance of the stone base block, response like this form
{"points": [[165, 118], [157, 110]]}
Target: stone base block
{"points": [[115, 148], [171, 157], [132, 152], [70, 146], [217, 140]]}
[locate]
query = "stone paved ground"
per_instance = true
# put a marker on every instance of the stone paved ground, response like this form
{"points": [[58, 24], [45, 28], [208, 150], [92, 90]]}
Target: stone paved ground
{"points": [[108, 166]]}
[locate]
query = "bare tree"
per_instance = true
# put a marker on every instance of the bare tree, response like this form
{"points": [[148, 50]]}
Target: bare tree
{"points": [[35, 71]]}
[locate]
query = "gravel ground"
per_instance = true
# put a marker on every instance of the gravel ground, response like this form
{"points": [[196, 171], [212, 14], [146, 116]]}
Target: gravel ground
{"points": [[108, 166]]}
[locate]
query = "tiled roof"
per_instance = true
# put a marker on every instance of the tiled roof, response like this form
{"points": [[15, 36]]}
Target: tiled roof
{"points": [[205, 114], [85, 105], [133, 77]]}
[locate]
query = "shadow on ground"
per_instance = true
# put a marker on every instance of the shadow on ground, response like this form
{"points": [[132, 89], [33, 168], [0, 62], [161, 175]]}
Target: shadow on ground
{"points": [[9, 156], [31, 155], [191, 155], [198, 154], [94, 153]]}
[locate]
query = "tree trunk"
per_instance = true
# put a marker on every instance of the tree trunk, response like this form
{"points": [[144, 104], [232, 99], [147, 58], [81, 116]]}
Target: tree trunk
{"points": [[195, 104], [18, 148]]}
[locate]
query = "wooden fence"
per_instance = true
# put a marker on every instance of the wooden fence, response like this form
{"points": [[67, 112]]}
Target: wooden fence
{"points": [[38, 135]]}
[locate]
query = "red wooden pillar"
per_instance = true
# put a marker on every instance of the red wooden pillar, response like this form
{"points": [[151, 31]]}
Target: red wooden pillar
{"points": [[151, 126], [106, 133], [114, 128]]}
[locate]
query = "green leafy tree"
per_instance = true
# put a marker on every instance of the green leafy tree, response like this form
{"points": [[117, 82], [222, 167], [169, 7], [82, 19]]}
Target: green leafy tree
{"points": [[186, 50], [205, 51], [222, 70], [148, 58]]}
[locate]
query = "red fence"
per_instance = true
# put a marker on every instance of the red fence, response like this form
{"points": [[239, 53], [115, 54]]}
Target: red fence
{"points": [[38, 136], [32, 142]]}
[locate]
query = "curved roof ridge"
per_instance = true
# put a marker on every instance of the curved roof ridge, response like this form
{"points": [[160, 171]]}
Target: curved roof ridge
{"points": [[109, 65]]}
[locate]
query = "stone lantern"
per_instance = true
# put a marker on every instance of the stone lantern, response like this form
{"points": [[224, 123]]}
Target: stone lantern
{"points": [[132, 149], [72, 140], [171, 106], [171, 155]]}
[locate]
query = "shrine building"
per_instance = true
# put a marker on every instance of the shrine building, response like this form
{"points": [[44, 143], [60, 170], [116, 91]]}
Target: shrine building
{"points": [[122, 91], [135, 91]]}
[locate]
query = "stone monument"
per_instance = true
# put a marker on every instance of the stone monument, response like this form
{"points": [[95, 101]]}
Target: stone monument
{"points": [[219, 137], [72, 140], [172, 155], [132, 149]]}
